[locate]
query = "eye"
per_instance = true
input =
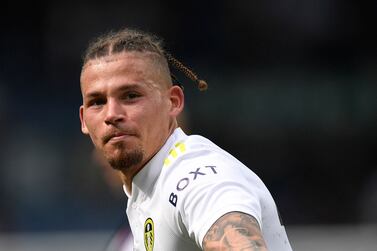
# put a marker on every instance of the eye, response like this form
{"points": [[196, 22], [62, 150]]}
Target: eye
{"points": [[129, 96], [96, 102]]}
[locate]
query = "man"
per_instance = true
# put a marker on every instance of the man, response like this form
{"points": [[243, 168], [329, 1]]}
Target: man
{"points": [[185, 193]]}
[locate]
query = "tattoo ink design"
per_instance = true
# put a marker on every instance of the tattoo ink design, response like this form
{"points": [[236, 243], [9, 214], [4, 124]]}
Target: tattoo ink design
{"points": [[234, 231]]}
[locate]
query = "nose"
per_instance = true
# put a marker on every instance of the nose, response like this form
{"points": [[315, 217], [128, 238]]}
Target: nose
{"points": [[114, 112]]}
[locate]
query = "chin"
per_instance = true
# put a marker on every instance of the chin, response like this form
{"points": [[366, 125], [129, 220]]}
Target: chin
{"points": [[124, 160]]}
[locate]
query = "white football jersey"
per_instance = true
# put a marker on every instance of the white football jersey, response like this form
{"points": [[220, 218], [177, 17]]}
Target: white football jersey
{"points": [[186, 187]]}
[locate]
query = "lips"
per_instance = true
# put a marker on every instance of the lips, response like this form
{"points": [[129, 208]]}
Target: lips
{"points": [[114, 136], [117, 135]]}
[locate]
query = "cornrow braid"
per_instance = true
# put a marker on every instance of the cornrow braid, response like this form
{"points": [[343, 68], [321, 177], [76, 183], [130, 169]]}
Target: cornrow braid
{"points": [[136, 40], [202, 85]]}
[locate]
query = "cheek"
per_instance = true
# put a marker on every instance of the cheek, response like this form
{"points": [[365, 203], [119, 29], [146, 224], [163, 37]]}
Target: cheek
{"points": [[158, 123], [158, 114], [94, 129], [95, 137]]}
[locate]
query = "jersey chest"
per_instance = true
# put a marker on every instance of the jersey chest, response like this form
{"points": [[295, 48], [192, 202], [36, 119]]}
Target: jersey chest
{"points": [[155, 226]]}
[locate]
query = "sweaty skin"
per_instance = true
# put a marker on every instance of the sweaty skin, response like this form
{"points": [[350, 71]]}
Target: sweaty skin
{"points": [[234, 231]]}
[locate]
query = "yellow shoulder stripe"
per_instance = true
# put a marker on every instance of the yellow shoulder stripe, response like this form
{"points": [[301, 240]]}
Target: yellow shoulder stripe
{"points": [[177, 150]]}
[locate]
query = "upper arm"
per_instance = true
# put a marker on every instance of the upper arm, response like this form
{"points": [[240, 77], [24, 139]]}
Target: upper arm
{"points": [[234, 231]]}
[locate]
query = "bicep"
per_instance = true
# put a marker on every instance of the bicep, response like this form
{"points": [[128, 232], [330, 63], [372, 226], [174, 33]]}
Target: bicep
{"points": [[234, 231]]}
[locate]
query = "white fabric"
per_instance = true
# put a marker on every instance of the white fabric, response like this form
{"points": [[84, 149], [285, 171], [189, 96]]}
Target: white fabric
{"points": [[187, 186]]}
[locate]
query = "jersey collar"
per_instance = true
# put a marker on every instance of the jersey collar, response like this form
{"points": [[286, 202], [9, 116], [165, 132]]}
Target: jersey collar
{"points": [[144, 180]]}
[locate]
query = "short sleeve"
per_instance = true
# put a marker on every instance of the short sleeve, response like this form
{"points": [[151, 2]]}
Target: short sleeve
{"points": [[207, 199]]}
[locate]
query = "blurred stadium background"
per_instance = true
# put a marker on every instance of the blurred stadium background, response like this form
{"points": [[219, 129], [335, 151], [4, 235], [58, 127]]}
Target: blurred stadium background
{"points": [[292, 94]]}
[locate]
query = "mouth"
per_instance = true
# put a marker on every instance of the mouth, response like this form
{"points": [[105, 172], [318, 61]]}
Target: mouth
{"points": [[117, 136]]}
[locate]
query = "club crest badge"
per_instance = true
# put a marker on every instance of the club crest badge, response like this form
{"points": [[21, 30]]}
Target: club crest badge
{"points": [[148, 234]]}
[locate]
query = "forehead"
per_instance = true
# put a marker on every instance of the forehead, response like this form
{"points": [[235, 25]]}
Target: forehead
{"points": [[132, 65], [122, 62]]}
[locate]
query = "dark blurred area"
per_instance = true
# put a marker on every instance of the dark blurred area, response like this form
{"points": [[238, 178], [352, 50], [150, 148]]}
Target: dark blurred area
{"points": [[292, 94]]}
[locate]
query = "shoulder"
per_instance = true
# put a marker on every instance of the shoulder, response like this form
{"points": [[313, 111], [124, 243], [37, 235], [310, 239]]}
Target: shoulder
{"points": [[198, 157], [196, 165], [201, 182]]}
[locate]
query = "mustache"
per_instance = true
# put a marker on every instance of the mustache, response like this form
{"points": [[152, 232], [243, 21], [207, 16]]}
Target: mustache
{"points": [[117, 132]]}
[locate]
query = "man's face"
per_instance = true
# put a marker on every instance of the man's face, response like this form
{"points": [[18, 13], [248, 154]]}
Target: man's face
{"points": [[129, 107]]}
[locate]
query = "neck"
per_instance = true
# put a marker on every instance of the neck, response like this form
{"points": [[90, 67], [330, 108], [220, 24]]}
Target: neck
{"points": [[127, 182]]}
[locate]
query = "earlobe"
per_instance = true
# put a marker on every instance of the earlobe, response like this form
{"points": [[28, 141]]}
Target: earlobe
{"points": [[84, 129], [177, 100]]}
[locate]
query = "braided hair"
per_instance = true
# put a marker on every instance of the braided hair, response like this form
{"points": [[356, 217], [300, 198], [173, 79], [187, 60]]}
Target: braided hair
{"points": [[128, 40]]}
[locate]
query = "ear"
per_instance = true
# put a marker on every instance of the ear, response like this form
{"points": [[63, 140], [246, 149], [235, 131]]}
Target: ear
{"points": [[177, 99], [84, 129]]}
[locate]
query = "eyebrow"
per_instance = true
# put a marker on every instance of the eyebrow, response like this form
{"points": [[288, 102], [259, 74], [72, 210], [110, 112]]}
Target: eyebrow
{"points": [[96, 94], [93, 94]]}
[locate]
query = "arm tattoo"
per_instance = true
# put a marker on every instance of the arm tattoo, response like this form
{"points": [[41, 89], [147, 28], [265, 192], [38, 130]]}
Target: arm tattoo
{"points": [[234, 231]]}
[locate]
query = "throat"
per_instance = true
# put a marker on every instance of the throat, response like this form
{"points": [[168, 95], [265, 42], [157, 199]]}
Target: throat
{"points": [[127, 182]]}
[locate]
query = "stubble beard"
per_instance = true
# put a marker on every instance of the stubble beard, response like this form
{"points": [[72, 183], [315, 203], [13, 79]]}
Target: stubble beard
{"points": [[126, 158]]}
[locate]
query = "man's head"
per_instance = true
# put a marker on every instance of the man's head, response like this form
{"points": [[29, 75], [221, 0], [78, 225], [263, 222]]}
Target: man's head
{"points": [[129, 102]]}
